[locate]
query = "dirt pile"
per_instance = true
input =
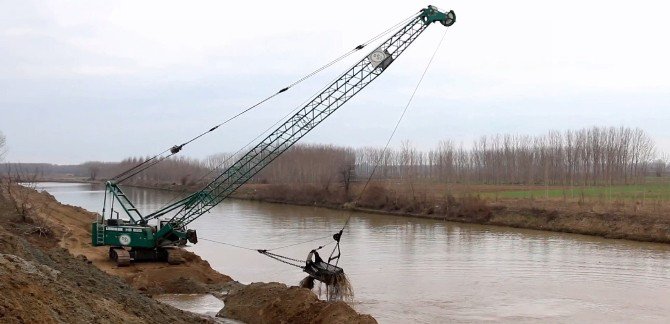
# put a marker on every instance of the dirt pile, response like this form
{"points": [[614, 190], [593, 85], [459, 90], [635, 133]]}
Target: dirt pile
{"points": [[277, 303], [43, 283], [72, 227], [50, 272]]}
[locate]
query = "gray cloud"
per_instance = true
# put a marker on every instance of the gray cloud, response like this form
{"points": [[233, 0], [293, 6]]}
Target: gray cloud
{"points": [[103, 81]]}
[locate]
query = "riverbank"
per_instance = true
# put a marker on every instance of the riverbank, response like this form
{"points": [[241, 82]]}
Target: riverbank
{"points": [[610, 219], [47, 245], [634, 219], [637, 218], [44, 282]]}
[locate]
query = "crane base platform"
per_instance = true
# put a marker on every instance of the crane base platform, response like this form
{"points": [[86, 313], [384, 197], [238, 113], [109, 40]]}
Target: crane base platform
{"points": [[123, 256]]}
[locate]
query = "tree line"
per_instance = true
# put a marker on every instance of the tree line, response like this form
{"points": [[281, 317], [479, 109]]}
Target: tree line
{"points": [[590, 156]]}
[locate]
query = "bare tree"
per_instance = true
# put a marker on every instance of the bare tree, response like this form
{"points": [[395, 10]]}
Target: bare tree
{"points": [[19, 197], [584, 157], [3, 146], [347, 171], [93, 169], [659, 167]]}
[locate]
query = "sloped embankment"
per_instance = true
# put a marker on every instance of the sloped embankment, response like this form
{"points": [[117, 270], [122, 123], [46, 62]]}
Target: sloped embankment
{"points": [[43, 283], [50, 273], [605, 219], [273, 302], [72, 225]]}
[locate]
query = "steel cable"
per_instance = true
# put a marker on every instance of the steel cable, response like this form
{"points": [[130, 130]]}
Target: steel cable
{"points": [[175, 149], [395, 129], [290, 113]]}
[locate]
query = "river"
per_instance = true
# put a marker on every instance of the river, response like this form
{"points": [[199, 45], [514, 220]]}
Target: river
{"points": [[429, 271]]}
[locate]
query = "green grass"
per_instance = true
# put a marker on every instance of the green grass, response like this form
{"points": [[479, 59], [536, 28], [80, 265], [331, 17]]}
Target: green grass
{"points": [[656, 189]]}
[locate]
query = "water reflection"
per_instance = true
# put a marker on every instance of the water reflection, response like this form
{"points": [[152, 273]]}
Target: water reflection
{"points": [[204, 304], [418, 270]]}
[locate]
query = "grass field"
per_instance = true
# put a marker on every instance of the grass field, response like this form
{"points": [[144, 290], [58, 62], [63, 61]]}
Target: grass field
{"points": [[653, 188]]}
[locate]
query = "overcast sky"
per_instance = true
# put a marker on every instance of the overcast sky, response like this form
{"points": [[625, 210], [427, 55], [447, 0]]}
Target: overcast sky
{"points": [[104, 80]]}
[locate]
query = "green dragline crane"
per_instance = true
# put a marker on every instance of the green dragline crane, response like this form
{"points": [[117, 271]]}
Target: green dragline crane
{"points": [[135, 239]]}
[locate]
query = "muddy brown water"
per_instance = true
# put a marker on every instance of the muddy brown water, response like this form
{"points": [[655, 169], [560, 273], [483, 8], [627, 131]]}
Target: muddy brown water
{"points": [[429, 271]]}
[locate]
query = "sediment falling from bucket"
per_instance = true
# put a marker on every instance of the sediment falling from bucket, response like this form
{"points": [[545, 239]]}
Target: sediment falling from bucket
{"points": [[339, 289]]}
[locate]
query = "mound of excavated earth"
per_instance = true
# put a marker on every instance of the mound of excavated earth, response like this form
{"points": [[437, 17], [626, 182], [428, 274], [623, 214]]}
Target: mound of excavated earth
{"points": [[50, 273], [277, 303], [72, 225], [43, 283]]}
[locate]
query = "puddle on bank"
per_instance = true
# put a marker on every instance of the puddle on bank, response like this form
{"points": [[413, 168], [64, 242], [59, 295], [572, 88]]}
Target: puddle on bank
{"points": [[203, 304]]}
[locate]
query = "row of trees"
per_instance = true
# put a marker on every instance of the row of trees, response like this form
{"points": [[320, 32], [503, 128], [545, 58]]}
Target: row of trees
{"points": [[175, 170], [592, 156], [585, 157]]}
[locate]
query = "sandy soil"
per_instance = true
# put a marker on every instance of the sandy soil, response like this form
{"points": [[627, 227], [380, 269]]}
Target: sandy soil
{"points": [[58, 276], [42, 282], [72, 226], [260, 303]]}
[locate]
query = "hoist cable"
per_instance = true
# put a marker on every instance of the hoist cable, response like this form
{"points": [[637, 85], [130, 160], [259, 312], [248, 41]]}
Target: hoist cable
{"points": [[287, 260], [175, 149], [272, 249], [357, 48], [283, 119], [283, 259], [144, 168], [304, 242], [296, 262], [228, 244], [277, 257], [139, 165], [392, 28], [234, 155], [290, 113], [395, 129]]}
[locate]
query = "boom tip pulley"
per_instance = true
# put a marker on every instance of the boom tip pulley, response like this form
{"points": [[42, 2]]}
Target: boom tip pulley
{"points": [[432, 14]]}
